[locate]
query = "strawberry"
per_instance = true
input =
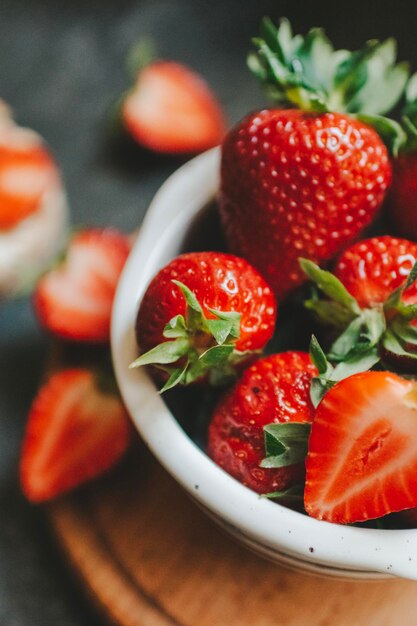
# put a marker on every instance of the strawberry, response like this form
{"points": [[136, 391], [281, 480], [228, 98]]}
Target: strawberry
{"points": [[76, 431], [372, 299], [205, 313], [27, 172], [274, 390], [305, 178], [171, 109], [402, 204], [74, 300], [362, 453], [373, 268]]}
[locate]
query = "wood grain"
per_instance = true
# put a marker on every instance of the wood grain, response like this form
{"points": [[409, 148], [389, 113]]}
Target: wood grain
{"points": [[149, 557]]}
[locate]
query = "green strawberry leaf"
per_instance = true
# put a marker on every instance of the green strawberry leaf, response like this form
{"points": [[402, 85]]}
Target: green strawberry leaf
{"points": [[189, 296], [411, 278], [293, 493], [220, 329], [362, 334], [390, 131], [352, 74], [318, 388], [404, 331], [175, 378], [411, 90], [407, 311], [215, 356], [360, 362], [285, 444], [330, 286], [385, 81], [233, 317], [307, 72], [165, 353], [328, 312], [319, 358], [347, 341], [175, 328], [392, 344], [140, 55], [187, 337], [375, 324]]}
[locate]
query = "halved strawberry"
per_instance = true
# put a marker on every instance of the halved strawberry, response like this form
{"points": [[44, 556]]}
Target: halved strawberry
{"points": [[74, 300], [362, 456], [75, 432], [171, 109], [26, 172]]}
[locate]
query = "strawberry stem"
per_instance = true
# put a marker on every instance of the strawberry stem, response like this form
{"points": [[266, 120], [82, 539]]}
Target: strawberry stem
{"points": [[368, 335]]}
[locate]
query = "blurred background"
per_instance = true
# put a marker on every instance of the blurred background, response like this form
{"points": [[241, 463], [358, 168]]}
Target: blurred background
{"points": [[62, 68]]}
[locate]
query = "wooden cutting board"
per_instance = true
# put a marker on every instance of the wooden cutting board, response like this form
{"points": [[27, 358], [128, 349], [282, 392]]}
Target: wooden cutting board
{"points": [[149, 557]]}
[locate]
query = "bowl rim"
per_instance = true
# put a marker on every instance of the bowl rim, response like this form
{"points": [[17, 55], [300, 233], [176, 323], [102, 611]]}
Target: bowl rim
{"points": [[377, 552]]}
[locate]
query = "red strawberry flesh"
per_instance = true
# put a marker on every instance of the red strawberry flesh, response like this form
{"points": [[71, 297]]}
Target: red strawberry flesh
{"points": [[171, 109], [362, 459], [74, 433], [74, 301], [26, 172]]}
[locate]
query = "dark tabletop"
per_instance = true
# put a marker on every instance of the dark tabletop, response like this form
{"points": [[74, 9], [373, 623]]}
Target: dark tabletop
{"points": [[61, 68]]}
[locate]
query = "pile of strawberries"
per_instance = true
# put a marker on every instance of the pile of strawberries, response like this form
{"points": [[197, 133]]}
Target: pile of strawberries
{"points": [[332, 431]]}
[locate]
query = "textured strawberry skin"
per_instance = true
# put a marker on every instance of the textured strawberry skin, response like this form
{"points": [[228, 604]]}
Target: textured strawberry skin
{"points": [[74, 300], [220, 281], [75, 432], [275, 389], [295, 184], [372, 268], [402, 202]]}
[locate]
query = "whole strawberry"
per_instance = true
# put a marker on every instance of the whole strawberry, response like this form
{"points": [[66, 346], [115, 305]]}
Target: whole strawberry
{"points": [[371, 300], [203, 315], [305, 178], [274, 390], [373, 268]]}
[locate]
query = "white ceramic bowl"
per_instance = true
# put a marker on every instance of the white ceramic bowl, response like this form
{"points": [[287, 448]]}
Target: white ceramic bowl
{"points": [[270, 529]]}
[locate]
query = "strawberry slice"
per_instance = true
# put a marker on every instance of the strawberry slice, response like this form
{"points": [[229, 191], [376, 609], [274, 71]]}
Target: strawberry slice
{"points": [[75, 432], [171, 109], [362, 457], [74, 301], [26, 172]]}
